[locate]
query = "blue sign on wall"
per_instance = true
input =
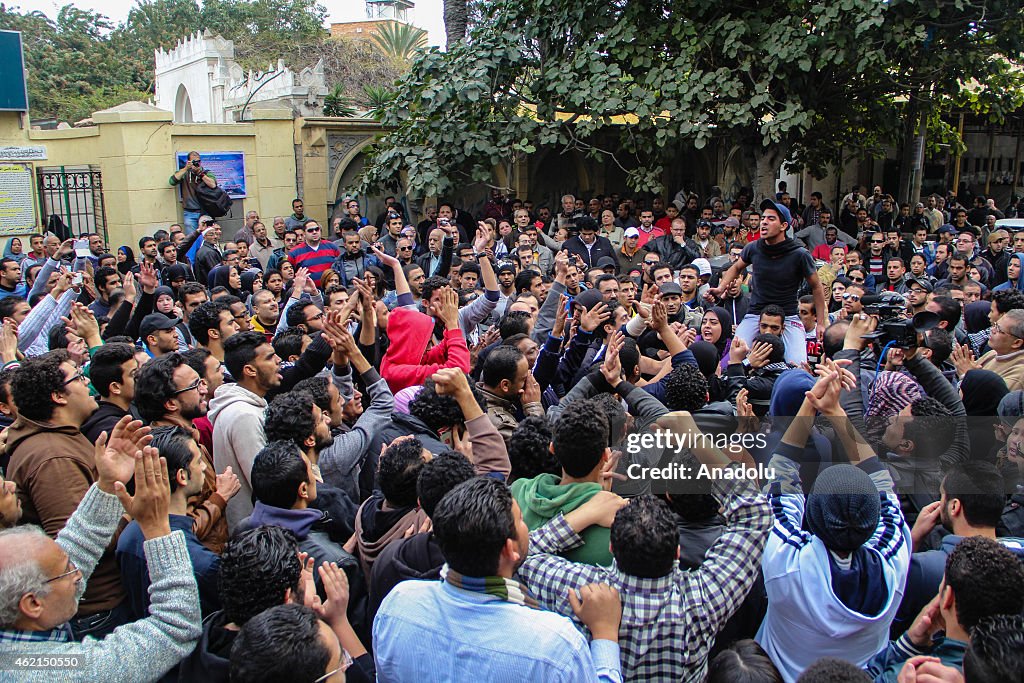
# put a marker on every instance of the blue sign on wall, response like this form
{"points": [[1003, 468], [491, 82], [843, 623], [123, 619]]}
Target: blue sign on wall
{"points": [[13, 92], [227, 167]]}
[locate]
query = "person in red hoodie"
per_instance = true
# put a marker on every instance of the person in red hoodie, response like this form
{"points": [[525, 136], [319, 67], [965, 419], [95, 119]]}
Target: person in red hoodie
{"points": [[413, 355]]}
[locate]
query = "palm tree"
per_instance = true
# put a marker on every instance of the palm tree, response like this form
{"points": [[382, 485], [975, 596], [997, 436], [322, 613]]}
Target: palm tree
{"points": [[399, 41], [456, 21], [336, 104]]}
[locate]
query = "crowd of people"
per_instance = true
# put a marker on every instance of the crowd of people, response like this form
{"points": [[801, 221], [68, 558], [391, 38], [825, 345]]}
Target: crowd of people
{"points": [[398, 450]]}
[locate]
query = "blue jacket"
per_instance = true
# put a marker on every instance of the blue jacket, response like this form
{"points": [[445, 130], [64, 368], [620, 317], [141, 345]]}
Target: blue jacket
{"points": [[131, 558], [886, 665]]}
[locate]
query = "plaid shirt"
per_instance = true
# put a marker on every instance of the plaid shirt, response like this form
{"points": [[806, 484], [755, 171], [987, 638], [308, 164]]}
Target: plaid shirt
{"points": [[669, 623], [61, 634]]}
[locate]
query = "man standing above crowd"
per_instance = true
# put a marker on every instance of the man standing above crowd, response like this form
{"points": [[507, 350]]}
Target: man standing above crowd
{"points": [[780, 266], [189, 177]]}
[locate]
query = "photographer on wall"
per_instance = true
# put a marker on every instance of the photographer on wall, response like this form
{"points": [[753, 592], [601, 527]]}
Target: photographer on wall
{"points": [[188, 177]]}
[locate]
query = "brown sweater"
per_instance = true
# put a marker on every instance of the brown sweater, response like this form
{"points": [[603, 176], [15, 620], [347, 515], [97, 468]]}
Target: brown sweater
{"points": [[53, 467]]}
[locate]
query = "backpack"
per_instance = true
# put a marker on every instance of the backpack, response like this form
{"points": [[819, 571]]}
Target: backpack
{"points": [[214, 201]]}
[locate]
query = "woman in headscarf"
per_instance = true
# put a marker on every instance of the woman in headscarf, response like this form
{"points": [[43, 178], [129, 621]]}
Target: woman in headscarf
{"points": [[788, 394], [716, 328], [125, 259], [164, 302], [227, 277], [981, 391], [978, 324], [14, 250]]}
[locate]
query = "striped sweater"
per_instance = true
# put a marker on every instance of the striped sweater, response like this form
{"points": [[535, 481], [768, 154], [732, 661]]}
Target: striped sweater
{"points": [[316, 260]]}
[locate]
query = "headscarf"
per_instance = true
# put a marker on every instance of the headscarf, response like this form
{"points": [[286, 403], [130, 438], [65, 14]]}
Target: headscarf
{"points": [[8, 253], [129, 260], [890, 393], [248, 278], [160, 291], [221, 277], [1011, 407], [976, 316], [726, 321], [983, 390]]}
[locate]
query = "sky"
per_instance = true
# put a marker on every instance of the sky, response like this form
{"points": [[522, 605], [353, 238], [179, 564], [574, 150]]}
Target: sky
{"points": [[427, 14]]}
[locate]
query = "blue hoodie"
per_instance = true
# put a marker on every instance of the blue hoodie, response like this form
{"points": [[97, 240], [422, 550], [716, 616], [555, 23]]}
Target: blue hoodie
{"points": [[1020, 280]]}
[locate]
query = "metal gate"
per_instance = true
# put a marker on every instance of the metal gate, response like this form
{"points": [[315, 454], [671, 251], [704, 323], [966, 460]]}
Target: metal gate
{"points": [[74, 195]]}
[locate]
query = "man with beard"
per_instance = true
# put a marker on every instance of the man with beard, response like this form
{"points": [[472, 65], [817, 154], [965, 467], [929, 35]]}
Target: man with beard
{"points": [[169, 393]]}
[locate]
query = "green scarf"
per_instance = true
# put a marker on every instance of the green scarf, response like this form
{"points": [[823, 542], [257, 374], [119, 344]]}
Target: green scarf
{"points": [[508, 590]]}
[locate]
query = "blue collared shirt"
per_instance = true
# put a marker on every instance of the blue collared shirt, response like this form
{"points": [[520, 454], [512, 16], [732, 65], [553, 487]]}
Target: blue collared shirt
{"points": [[433, 631]]}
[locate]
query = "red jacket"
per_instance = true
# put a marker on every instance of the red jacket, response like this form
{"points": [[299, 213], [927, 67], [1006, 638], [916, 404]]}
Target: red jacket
{"points": [[408, 362]]}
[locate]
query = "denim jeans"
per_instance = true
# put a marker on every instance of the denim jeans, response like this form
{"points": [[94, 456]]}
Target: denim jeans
{"points": [[191, 221]]}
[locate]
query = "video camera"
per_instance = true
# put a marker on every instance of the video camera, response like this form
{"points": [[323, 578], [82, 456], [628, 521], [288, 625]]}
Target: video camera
{"points": [[894, 328]]}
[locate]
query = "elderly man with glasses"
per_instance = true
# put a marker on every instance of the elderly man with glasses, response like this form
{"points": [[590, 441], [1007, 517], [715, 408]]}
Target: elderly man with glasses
{"points": [[1006, 357], [44, 578]]}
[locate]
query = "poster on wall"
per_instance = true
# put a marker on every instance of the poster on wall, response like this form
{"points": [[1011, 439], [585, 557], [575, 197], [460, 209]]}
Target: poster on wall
{"points": [[227, 167], [17, 208]]}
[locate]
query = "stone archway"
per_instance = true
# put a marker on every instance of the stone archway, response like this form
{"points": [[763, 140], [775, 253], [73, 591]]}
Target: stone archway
{"points": [[182, 105]]}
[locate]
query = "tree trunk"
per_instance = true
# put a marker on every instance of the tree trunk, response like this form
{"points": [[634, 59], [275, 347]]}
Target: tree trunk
{"points": [[767, 161], [456, 19]]}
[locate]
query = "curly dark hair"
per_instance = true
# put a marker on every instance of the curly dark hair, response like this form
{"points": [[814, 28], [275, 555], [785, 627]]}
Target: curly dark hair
{"points": [[256, 568], [986, 578], [833, 670], [580, 437], [154, 385], [931, 429], [996, 652], [431, 285], [36, 381], [645, 538], [317, 387], [686, 388], [398, 471], [529, 449], [440, 412], [445, 471], [289, 417], [778, 353], [1006, 300], [204, 318], [281, 644]]}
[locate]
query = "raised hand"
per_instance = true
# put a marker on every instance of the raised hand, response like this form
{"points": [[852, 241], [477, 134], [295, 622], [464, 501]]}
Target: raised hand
{"points": [[480, 243], [115, 457], [147, 278], [130, 292], [963, 359], [558, 329], [450, 381], [531, 389], [386, 259], [149, 506], [759, 354], [611, 368], [561, 264], [9, 341], [447, 309], [598, 315], [659, 315], [309, 596], [738, 350], [299, 282], [335, 584]]}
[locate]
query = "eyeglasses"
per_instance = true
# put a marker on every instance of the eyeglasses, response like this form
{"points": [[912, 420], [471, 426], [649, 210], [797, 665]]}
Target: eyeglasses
{"points": [[313, 228], [73, 570], [405, 249], [650, 263], [851, 297], [78, 376], [998, 328], [877, 241], [343, 665], [190, 387], [318, 316], [856, 279]]}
